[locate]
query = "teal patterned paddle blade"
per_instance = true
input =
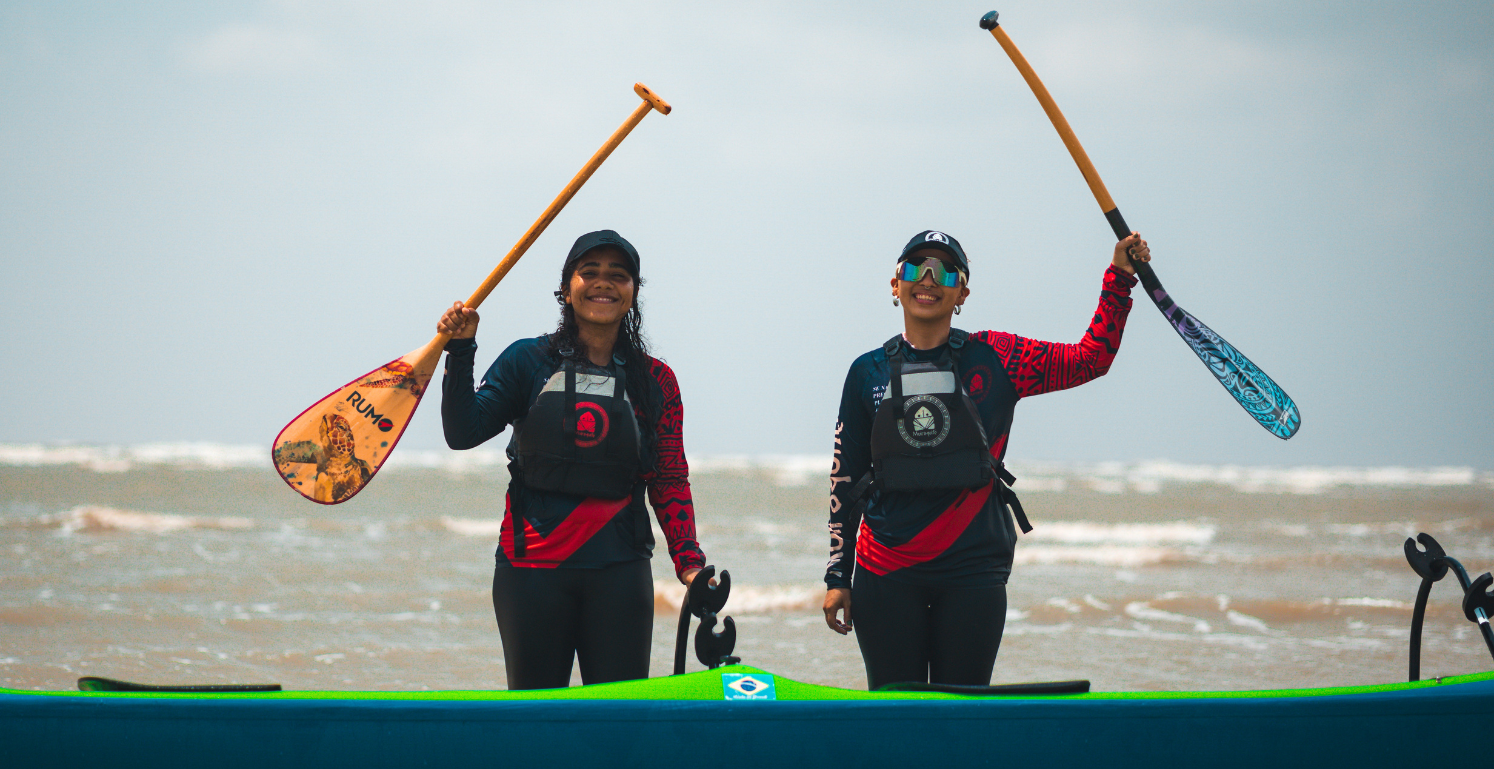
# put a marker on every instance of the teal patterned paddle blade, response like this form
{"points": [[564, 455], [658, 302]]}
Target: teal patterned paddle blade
{"points": [[1261, 397]]}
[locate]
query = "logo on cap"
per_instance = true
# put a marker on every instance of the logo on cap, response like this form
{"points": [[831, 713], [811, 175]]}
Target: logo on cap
{"points": [[939, 236]]}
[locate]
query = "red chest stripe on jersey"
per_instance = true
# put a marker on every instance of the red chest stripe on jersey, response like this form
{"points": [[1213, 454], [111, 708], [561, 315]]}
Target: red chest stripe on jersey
{"points": [[880, 559], [548, 552]]}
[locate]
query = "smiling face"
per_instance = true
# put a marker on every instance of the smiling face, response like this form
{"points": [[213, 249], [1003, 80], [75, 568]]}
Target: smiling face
{"points": [[926, 300], [601, 290]]}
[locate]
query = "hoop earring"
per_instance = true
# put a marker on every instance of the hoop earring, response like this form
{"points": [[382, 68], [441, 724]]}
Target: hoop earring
{"points": [[957, 309], [894, 302]]}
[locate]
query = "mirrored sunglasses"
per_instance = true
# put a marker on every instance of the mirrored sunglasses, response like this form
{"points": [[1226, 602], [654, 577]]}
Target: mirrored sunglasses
{"points": [[913, 268]]}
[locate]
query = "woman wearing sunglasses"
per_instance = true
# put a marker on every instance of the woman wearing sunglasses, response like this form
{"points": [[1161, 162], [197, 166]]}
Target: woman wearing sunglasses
{"points": [[919, 497], [596, 427]]}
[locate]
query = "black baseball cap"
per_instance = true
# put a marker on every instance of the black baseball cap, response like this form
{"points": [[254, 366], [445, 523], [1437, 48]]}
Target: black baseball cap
{"points": [[593, 240], [945, 243]]}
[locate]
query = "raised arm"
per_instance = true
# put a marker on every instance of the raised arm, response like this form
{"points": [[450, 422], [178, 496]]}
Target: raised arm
{"points": [[470, 415], [1037, 367]]}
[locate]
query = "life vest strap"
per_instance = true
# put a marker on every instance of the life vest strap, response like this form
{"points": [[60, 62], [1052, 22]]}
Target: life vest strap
{"points": [[617, 410], [1004, 481], [860, 489], [515, 513], [568, 416]]}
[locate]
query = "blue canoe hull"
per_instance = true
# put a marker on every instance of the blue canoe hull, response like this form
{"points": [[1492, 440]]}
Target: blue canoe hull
{"points": [[1366, 728]]}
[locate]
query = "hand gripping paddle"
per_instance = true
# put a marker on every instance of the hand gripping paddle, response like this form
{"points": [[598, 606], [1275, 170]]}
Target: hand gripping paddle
{"points": [[332, 450], [1251, 388]]}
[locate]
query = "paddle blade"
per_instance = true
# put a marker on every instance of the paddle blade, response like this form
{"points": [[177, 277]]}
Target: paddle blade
{"points": [[99, 684], [1261, 397], [333, 449]]}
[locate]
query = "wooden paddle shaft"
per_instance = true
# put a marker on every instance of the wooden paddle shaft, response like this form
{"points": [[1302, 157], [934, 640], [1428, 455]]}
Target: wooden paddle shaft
{"points": [[651, 101], [1064, 131]]}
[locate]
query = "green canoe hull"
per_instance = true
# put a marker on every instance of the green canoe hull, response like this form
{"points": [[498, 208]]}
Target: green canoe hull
{"points": [[741, 716]]}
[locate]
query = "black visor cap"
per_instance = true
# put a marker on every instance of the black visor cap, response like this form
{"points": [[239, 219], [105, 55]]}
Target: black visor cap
{"points": [[600, 238], [941, 241]]}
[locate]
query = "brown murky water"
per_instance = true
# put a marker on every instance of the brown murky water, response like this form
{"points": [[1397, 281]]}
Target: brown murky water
{"points": [[1139, 577]]}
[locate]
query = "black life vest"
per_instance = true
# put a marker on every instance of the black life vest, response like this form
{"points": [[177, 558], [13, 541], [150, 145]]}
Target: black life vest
{"points": [[927, 433], [580, 436]]}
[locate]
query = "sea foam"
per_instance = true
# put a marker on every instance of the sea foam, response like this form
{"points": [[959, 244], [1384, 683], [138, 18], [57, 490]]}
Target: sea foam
{"points": [[94, 519], [745, 599]]}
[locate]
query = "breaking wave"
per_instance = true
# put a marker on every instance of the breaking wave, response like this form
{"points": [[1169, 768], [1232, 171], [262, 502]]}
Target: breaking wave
{"points": [[744, 599], [1089, 533], [473, 527], [95, 519]]}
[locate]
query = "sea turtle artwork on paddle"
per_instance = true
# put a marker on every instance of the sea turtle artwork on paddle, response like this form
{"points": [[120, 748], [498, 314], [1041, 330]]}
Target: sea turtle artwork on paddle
{"points": [[339, 474], [397, 374], [334, 448]]}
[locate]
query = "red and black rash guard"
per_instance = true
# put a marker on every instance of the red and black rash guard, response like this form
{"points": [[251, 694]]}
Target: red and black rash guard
{"points": [[960, 537], [565, 530]]}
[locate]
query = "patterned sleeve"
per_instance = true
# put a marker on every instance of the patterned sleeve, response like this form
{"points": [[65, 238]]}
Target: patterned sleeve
{"points": [[1040, 367], [669, 481], [851, 460]]}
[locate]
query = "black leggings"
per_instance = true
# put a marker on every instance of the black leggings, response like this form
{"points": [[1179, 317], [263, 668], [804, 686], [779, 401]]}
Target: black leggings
{"points": [[547, 617], [943, 635]]}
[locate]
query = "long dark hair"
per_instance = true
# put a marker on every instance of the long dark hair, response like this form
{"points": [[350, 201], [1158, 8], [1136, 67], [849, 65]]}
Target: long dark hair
{"points": [[631, 345]]}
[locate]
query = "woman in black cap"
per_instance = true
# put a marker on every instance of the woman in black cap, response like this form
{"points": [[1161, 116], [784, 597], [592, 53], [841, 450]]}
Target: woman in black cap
{"points": [[919, 494], [596, 424]]}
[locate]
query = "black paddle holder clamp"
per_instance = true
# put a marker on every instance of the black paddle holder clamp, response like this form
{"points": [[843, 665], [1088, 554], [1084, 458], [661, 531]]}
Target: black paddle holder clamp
{"points": [[1431, 565], [703, 600]]}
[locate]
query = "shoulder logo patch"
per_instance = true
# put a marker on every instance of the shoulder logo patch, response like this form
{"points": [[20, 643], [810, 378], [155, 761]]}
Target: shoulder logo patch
{"points": [[978, 383]]}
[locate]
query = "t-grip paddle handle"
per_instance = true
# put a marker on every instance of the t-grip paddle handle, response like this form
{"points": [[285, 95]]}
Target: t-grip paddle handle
{"points": [[652, 98], [651, 102]]}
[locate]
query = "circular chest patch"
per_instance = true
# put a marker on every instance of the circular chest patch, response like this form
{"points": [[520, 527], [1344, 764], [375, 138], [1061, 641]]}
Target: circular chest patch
{"points": [[925, 422], [591, 424]]}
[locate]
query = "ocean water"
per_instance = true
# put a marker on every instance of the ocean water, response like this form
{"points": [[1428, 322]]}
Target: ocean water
{"points": [[192, 563]]}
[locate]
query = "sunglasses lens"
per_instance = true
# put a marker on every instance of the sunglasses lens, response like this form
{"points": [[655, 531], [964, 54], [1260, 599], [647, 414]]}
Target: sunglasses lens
{"points": [[913, 269]]}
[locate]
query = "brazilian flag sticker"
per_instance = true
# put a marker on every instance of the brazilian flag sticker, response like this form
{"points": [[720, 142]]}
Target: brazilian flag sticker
{"points": [[752, 686]]}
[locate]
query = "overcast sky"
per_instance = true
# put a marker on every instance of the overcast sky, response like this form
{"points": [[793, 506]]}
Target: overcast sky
{"points": [[213, 214]]}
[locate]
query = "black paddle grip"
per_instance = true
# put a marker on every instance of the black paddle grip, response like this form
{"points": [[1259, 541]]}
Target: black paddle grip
{"points": [[1118, 223], [1143, 270], [988, 22]]}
